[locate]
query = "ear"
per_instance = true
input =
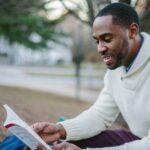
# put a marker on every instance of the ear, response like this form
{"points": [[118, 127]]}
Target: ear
{"points": [[133, 30]]}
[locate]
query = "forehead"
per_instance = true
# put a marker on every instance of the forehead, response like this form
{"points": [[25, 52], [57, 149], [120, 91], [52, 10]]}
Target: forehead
{"points": [[104, 25]]}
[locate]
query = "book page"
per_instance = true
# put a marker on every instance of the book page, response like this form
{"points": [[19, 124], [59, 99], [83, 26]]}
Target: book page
{"points": [[21, 130]]}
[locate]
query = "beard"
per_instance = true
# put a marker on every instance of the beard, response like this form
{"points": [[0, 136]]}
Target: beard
{"points": [[122, 57]]}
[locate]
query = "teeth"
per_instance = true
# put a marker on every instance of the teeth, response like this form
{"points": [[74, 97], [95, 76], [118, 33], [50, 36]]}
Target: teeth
{"points": [[108, 57]]}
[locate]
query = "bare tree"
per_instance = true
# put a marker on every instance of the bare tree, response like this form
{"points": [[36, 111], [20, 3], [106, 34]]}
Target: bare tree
{"points": [[125, 1], [143, 8]]}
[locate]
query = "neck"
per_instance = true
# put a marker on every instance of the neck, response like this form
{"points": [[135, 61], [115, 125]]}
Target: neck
{"points": [[136, 44]]}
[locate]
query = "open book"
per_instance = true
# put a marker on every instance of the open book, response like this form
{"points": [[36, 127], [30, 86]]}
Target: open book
{"points": [[21, 130]]}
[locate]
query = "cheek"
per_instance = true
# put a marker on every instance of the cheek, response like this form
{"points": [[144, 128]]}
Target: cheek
{"points": [[116, 48]]}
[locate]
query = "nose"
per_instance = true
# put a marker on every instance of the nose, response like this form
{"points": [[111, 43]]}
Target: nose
{"points": [[101, 47]]}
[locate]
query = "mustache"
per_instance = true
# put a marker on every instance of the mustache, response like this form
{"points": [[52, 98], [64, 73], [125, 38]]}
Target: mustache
{"points": [[104, 55]]}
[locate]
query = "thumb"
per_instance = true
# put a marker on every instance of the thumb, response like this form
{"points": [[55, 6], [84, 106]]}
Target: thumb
{"points": [[60, 146]]}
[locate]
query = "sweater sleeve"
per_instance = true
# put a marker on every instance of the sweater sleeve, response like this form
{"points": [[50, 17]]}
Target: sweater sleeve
{"points": [[96, 119], [143, 144]]}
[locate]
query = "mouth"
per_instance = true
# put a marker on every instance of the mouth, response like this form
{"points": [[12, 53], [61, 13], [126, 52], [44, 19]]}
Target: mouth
{"points": [[108, 59]]}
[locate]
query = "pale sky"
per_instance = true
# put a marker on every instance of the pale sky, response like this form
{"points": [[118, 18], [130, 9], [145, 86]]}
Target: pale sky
{"points": [[59, 9]]}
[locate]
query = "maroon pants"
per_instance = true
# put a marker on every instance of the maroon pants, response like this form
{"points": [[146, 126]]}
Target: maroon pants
{"points": [[106, 139]]}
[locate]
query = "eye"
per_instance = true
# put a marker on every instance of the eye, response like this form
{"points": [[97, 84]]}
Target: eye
{"points": [[107, 38], [96, 41]]}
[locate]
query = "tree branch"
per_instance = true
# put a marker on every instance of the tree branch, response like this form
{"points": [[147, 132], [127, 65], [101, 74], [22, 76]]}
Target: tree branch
{"points": [[70, 11], [91, 11]]}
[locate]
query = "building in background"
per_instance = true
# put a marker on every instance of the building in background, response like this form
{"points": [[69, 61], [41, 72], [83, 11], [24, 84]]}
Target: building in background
{"points": [[16, 54]]}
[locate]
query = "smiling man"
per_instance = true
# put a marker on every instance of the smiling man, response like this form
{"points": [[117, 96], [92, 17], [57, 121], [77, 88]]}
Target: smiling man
{"points": [[126, 53], [113, 41]]}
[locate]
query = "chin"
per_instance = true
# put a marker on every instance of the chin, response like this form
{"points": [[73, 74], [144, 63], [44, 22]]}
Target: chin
{"points": [[113, 67]]}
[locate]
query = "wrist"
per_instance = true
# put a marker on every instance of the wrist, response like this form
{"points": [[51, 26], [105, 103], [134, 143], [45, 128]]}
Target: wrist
{"points": [[62, 131]]}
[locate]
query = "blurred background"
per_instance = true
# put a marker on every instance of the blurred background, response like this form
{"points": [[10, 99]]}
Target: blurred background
{"points": [[49, 66]]}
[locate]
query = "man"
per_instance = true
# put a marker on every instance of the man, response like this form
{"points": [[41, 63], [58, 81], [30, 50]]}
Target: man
{"points": [[125, 51]]}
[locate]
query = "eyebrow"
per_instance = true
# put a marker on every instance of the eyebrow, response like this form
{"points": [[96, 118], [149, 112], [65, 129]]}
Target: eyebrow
{"points": [[102, 35]]}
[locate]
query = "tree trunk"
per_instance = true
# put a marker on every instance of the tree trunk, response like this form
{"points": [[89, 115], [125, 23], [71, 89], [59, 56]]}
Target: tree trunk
{"points": [[143, 9], [125, 1], [91, 11]]}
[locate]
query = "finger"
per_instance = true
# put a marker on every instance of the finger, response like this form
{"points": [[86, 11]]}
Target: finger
{"points": [[51, 128], [60, 146], [49, 138], [39, 126], [57, 142], [40, 147]]}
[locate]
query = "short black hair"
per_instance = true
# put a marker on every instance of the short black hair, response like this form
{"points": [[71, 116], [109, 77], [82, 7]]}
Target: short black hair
{"points": [[122, 14]]}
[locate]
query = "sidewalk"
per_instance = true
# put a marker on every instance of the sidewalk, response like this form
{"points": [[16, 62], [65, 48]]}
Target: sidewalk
{"points": [[17, 76]]}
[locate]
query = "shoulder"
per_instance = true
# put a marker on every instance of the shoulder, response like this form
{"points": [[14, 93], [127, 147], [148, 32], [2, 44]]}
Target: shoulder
{"points": [[145, 46]]}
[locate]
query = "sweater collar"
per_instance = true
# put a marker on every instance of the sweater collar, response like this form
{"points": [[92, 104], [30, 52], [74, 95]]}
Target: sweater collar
{"points": [[141, 42]]}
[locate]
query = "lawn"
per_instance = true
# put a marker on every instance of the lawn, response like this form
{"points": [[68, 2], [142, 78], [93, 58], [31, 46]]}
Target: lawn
{"points": [[35, 106]]}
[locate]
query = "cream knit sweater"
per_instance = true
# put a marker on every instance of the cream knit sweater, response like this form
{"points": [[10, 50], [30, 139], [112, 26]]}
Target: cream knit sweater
{"points": [[128, 93]]}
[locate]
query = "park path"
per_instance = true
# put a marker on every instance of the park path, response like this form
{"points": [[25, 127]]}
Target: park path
{"points": [[30, 77]]}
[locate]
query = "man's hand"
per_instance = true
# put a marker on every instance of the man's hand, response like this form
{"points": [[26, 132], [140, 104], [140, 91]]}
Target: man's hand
{"points": [[65, 146], [49, 132]]}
